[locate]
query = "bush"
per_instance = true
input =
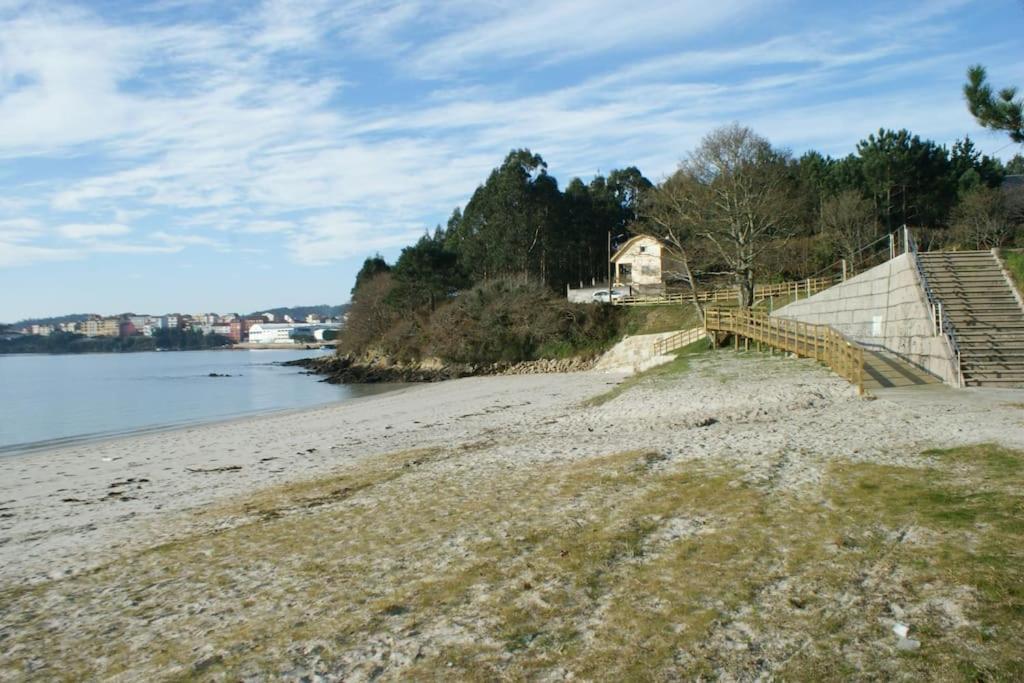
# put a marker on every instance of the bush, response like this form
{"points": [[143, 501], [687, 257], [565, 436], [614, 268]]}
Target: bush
{"points": [[508, 319], [512, 320]]}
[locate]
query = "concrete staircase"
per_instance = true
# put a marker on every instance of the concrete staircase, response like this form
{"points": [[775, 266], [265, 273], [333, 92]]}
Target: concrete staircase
{"points": [[985, 314]]}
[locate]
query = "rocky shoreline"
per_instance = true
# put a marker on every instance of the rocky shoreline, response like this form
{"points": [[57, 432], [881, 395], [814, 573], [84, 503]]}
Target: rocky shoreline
{"points": [[347, 369]]}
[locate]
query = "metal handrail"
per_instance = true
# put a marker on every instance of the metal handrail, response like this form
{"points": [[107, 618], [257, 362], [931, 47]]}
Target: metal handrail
{"points": [[940, 321]]}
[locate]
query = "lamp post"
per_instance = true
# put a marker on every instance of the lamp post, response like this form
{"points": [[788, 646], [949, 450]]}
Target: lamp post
{"points": [[617, 237], [609, 266]]}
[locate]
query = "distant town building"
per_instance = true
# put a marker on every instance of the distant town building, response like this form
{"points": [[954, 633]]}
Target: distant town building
{"points": [[101, 327], [275, 333]]}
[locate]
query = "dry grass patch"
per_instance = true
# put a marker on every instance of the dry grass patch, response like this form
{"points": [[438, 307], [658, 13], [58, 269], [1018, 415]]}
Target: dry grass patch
{"points": [[447, 564]]}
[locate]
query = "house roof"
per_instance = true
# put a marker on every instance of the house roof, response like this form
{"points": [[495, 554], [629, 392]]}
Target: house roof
{"points": [[630, 242]]}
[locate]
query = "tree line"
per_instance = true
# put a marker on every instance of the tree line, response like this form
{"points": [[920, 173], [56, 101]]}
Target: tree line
{"points": [[736, 204], [736, 207]]}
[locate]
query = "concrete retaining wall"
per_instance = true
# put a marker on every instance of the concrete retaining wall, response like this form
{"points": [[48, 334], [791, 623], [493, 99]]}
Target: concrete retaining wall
{"points": [[883, 307]]}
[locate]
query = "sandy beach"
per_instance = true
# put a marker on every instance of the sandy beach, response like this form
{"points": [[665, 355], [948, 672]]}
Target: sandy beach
{"points": [[421, 484]]}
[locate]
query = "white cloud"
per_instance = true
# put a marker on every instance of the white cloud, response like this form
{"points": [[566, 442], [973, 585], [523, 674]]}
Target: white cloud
{"points": [[20, 229], [91, 231], [548, 32], [211, 134], [178, 240], [14, 255], [340, 234]]}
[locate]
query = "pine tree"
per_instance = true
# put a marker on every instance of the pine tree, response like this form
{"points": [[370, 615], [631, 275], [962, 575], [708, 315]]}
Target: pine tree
{"points": [[996, 111]]}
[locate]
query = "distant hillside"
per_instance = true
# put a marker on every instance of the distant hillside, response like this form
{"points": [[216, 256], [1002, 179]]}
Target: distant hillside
{"points": [[300, 312], [70, 318]]}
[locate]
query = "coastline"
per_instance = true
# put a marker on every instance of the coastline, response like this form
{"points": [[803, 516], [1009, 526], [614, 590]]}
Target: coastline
{"points": [[101, 438], [242, 346], [437, 529], [56, 500]]}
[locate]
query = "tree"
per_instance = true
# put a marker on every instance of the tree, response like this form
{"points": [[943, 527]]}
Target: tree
{"points": [[981, 220], [628, 186], [742, 199], [510, 225], [673, 212], [970, 168], [908, 179], [991, 110], [849, 221], [425, 273], [372, 267], [370, 316], [1015, 166]]}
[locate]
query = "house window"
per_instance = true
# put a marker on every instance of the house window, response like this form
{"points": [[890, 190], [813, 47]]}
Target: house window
{"points": [[643, 250]]}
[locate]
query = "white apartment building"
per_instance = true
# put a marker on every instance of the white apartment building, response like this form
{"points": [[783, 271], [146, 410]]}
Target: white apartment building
{"points": [[277, 333]]}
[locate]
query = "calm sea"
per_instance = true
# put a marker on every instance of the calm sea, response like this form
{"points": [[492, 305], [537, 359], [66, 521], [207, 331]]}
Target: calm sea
{"points": [[54, 399]]}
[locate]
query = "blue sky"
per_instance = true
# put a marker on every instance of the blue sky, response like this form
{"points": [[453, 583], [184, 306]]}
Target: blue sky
{"points": [[186, 155]]}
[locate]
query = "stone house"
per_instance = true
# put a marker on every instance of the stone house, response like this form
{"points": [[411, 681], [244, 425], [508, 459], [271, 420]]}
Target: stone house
{"points": [[644, 264]]}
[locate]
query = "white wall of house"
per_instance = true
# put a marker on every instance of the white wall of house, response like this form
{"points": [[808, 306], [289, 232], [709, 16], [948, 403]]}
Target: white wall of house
{"points": [[639, 262]]}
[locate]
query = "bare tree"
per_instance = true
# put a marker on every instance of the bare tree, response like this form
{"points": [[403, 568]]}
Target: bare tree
{"points": [[982, 219], [741, 199], [669, 212], [848, 219]]}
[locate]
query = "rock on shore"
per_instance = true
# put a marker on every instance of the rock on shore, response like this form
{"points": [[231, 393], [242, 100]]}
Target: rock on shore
{"points": [[351, 370]]}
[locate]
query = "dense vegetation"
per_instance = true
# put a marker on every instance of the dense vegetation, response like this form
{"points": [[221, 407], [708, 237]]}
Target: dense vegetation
{"points": [[68, 342], [490, 284]]}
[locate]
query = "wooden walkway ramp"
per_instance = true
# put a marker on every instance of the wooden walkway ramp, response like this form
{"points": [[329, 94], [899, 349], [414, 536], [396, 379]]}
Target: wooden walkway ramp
{"points": [[866, 369], [884, 371]]}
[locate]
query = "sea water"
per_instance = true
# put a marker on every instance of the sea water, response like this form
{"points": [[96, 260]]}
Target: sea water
{"points": [[50, 400]]}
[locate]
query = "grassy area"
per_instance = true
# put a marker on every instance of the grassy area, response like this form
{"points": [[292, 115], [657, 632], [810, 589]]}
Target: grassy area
{"points": [[679, 365], [657, 319], [1014, 260], [620, 567]]}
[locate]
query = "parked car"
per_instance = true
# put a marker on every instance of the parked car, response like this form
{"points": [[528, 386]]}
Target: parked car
{"points": [[602, 295]]}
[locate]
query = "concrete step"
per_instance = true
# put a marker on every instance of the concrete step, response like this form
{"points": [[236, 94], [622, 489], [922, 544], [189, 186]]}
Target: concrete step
{"points": [[995, 376], [966, 305], [1008, 382], [1000, 311], [958, 255], [999, 322], [967, 283], [976, 302]]}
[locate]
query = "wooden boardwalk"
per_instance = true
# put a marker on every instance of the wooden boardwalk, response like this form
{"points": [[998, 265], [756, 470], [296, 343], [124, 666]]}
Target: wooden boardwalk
{"points": [[805, 340], [884, 371], [865, 368], [728, 294]]}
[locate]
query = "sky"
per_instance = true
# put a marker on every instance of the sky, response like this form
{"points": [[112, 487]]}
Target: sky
{"points": [[194, 155]]}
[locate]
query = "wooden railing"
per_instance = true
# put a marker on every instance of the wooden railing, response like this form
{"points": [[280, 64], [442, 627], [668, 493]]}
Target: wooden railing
{"points": [[821, 342], [679, 340], [793, 288]]}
